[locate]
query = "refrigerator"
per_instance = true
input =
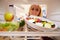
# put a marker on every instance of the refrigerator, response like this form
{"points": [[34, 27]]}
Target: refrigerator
{"points": [[50, 10]]}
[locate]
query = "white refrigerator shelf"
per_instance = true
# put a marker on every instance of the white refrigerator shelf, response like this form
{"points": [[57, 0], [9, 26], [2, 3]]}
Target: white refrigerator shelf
{"points": [[15, 33]]}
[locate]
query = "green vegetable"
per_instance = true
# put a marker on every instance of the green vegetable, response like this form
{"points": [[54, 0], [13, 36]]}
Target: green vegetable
{"points": [[43, 22], [13, 26], [5, 24], [9, 26], [21, 23]]}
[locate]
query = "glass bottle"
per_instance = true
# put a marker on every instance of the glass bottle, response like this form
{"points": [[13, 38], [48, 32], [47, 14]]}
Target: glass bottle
{"points": [[9, 15]]}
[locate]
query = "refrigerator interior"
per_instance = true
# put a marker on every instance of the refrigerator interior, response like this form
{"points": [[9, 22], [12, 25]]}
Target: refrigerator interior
{"points": [[53, 12]]}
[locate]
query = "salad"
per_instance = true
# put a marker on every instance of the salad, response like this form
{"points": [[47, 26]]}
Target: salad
{"points": [[40, 22], [8, 26]]}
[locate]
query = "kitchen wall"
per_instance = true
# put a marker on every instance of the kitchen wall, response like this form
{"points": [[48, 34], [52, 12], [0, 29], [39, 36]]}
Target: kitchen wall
{"points": [[53, 7]]}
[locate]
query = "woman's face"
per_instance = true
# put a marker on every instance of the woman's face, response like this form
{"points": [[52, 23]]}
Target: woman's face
{"points": [[35, 10]]}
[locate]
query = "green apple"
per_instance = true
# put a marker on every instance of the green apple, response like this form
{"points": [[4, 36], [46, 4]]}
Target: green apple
{"points": [[8, 16]]}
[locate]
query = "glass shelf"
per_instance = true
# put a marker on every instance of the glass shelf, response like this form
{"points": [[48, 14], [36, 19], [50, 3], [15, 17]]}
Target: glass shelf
{"points": [[27, 32]]}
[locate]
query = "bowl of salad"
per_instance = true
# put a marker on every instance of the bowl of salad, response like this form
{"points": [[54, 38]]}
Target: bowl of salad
{"points": [[9, 26], [40, 23]]}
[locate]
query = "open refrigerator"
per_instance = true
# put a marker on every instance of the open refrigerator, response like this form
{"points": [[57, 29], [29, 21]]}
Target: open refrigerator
{"points": [[25, 33]]}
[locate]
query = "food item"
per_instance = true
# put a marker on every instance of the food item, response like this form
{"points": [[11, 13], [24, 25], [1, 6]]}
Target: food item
{"points": [[27, 18], [53, 25], [47, 25], [37, 20], [8, 16], [21, 23], [41, 23], [8, 26], [32, 20]]}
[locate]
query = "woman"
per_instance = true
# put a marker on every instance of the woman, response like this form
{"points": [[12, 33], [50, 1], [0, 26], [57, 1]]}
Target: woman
{"points": [[36, 11]]}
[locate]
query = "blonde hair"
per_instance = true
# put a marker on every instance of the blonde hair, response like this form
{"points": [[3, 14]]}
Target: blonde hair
{"points": [[40, 13]]}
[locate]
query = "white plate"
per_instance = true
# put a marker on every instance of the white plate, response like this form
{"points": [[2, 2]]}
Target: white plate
{"points": [[39, 27]]}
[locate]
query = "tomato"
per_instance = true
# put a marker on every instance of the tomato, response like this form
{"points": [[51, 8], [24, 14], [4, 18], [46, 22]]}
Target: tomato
{"points": [[38, 20]]}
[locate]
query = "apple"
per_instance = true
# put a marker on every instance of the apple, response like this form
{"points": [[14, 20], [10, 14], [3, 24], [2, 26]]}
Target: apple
{"points": [[8, 16]]}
